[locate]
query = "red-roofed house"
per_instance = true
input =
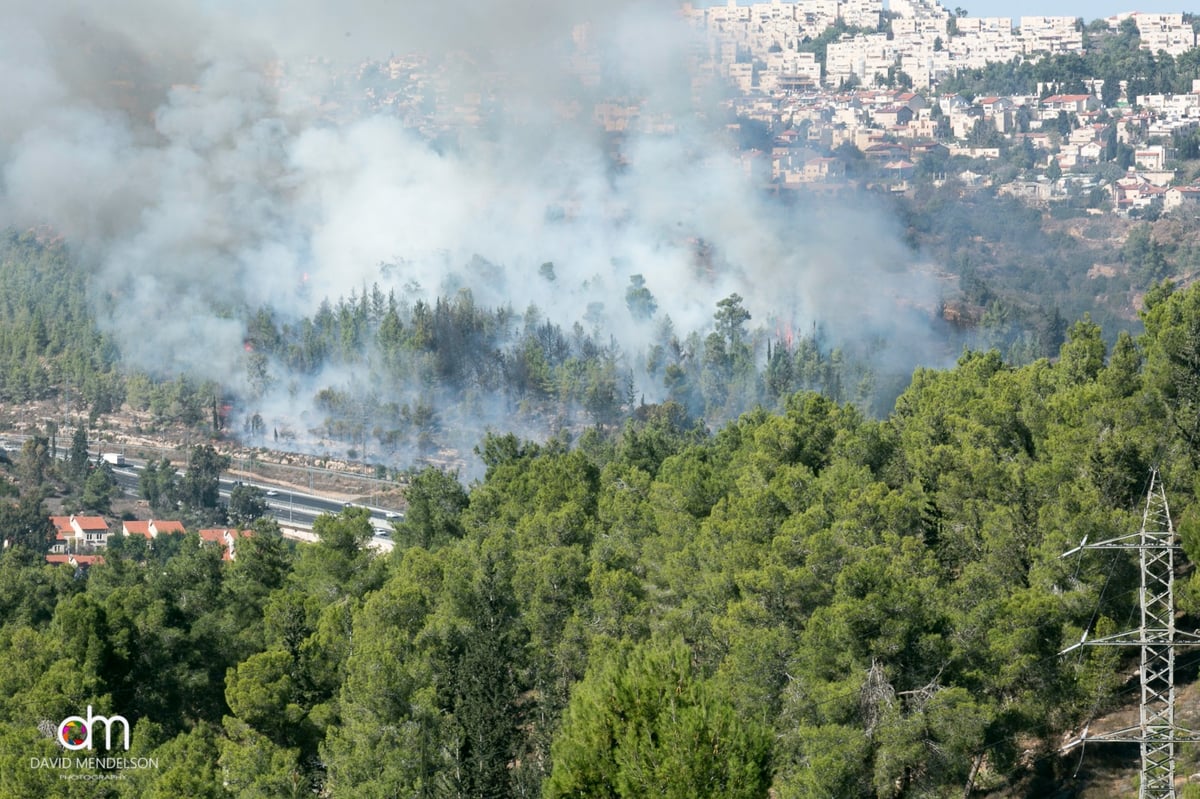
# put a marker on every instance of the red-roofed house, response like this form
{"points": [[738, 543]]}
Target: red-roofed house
{"points": [[150, 528], [912, 100], [1179, 196], [225, 538], [73, 532], [136, 527], [1134, 191], [161, 527], [892, 115], [78, 561], [824, 169], [994, 105], [885, 152], [1152, 157], [787, 137], [1075, 103]]}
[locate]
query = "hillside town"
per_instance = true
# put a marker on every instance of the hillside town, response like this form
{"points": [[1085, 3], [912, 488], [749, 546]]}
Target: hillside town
{"points": [[922, 39], [920, 44], [824, 95]]}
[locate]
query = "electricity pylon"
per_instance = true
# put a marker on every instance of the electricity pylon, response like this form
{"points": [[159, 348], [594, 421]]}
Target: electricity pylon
{"points": [[1156, 731]]}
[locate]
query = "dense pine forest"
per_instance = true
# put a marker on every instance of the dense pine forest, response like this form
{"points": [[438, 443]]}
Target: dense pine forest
{"points": [[690, 431], [394, 376], [811, 601]]}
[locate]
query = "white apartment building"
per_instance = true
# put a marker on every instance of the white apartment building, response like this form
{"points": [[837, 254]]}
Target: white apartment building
{"points": [[861, 13], [1172, 105], [983, 39], [790, 71], [918, 9], [980, 25], [923, 44], [817, 14], [742, 76], [927, 66], [905, 27], [761, 28], [727, 15], [1051, 34], [775, 11], [1165, 32], [862, 56]]}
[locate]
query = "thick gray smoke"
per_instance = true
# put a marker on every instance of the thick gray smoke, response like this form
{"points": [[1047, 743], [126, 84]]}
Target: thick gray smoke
{"points": [[204, 160]]}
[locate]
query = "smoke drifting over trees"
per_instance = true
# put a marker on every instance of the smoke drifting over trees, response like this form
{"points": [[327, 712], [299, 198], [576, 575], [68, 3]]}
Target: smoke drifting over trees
{"points": [[203, 166]]}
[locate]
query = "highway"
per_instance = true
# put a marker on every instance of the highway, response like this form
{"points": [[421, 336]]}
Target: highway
{"points": [[294, 509], [288, 507]]}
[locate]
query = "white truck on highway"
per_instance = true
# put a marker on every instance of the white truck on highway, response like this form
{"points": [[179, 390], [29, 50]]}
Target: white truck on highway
{"points": [[113, 458]]}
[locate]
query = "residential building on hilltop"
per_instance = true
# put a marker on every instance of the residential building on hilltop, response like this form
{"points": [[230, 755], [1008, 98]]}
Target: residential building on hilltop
{"points": [[1166, 32], [1051, 35], [78, 533]]}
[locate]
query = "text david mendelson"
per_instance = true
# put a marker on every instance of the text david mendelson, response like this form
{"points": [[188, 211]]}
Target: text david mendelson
{"points": [[93, 762]]}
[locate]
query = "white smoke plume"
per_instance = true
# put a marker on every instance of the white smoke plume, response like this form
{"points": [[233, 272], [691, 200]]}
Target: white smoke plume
{"points": [[200, 159]]}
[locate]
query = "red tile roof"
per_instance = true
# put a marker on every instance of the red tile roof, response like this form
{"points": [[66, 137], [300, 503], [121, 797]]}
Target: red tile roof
{"points": [[152, 527], [85, 523], [136, 527], [217, 536], [76, 560]]}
